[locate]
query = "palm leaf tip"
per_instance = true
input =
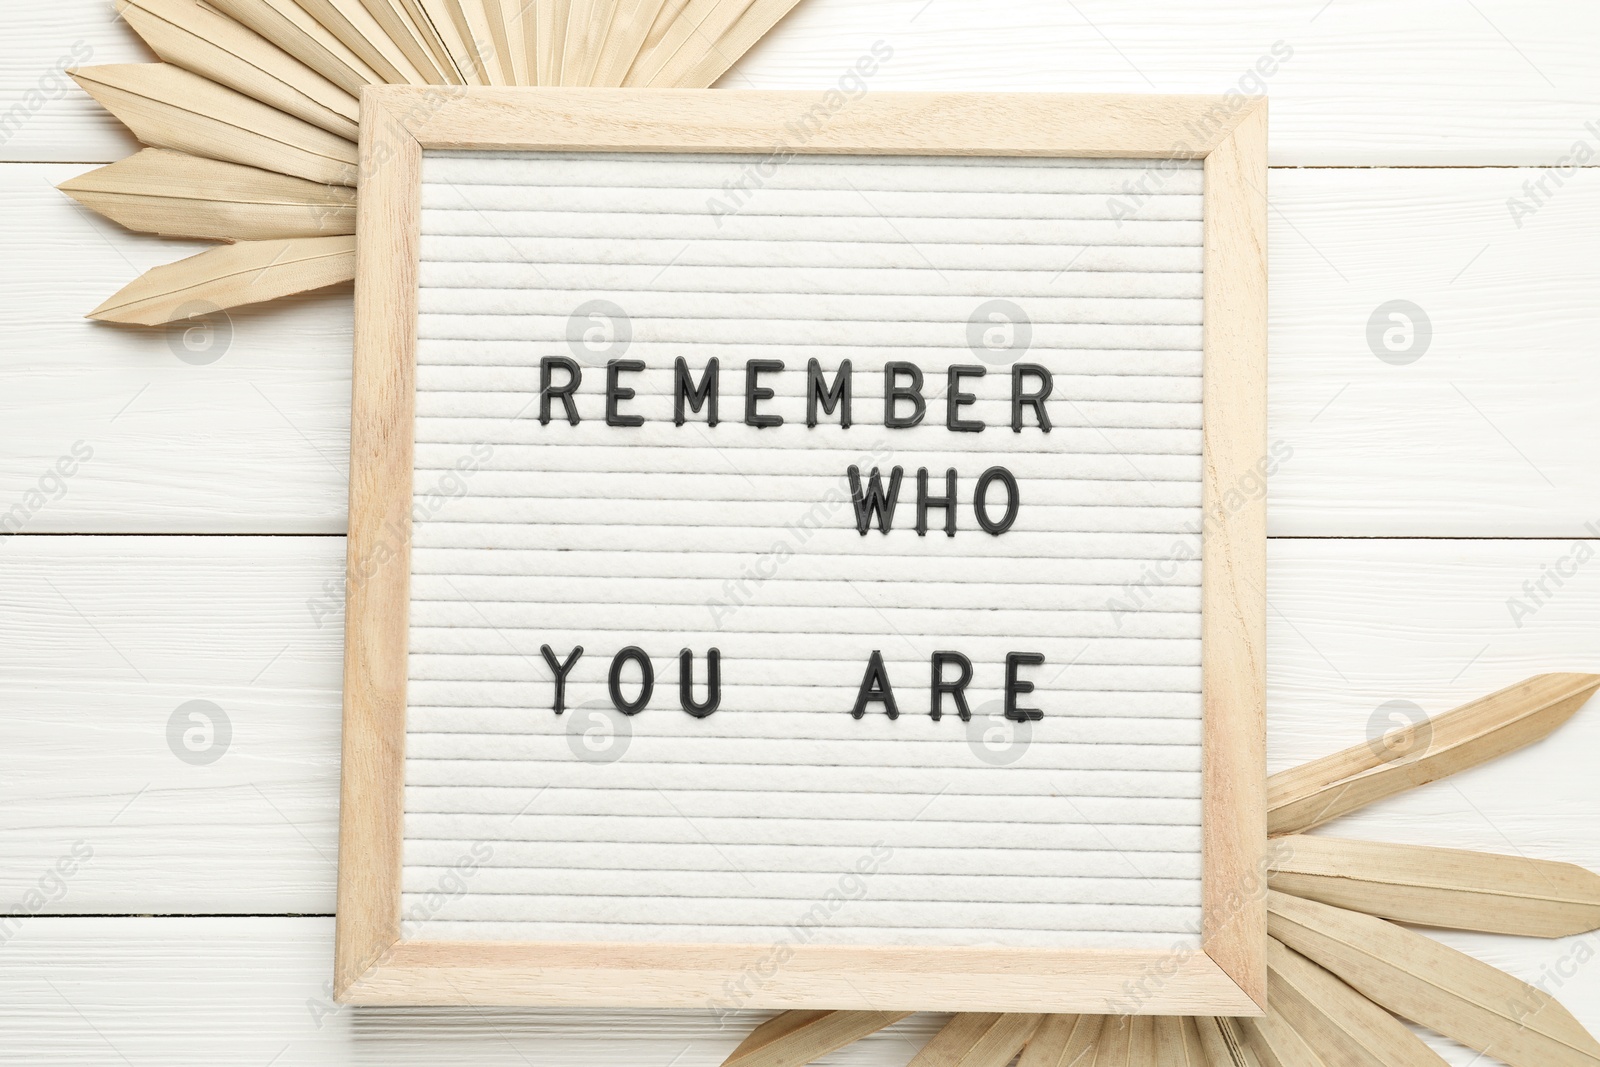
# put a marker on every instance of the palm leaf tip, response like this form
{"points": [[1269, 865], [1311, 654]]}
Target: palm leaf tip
{"points": [[1324, 789], [228, 276]]}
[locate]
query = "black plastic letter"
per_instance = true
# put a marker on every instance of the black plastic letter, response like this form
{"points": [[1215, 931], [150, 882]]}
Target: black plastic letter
{"points": [[957, 688], [561, 670], [713, 683], [980, 500], [547, 391], [948, 502], [894, 392], [1033, 400], [874, 501], [647, 685], [1015, 688], [683, 389], [615, 393], [875, 687], [754, 393], [955, 399], [819, 392]]}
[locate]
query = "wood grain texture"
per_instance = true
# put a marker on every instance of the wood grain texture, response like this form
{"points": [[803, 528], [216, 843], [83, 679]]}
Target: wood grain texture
{"points": [[1435, 986], [1234, 579], [378, 552], [169, 107], [179, 195], [196, 38], [1345, 1028], [1441, 887], [689, 120], [359, 31], [1425, 751], [628, 974]]}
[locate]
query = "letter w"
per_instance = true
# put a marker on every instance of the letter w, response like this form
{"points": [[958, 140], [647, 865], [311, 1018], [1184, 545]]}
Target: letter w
{"points": [[874, 501]]}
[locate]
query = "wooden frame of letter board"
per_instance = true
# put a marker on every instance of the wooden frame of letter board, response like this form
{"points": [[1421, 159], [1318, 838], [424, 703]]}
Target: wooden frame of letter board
{"points": [[373, 965]]}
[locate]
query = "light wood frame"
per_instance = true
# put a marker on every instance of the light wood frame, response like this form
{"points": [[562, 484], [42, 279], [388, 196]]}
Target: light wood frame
{"points": [[374, 965]]}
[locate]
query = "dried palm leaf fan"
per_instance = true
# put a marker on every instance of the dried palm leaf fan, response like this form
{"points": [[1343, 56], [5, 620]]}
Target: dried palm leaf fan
{"points": [[1341, 973], [251, 117]]}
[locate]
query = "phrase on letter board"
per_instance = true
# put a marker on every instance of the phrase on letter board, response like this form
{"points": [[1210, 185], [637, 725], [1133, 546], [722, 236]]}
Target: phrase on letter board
{"points": [[809, 551]]}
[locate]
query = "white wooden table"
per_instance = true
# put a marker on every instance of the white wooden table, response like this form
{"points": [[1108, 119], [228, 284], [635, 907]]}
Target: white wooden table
{"points": [[195, 554]]}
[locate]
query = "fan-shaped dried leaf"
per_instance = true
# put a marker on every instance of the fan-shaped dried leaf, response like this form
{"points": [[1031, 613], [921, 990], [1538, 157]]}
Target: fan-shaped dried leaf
{"points": [[1279, 1044], [229, 276], [1346, 1028], [178, 195], [550, 17], [1177, 1043], [1063, 1041], [169, 107], [448, 21], [1225, 1043], [354, 25], [1441, 886], [415, 42], [1125, 1042], [757, 20], [629, 25], [693, 35], [472, 28], [793, 1038], [978, 1039], [408, 27], [504, 18], [1421, 980], [191, 36], [1324, 789], [289, 27], [589, 23]]}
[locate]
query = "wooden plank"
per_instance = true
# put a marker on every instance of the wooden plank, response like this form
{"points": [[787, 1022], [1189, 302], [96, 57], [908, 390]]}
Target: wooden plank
{"points": [[1445, 472], [1333, 95], [1441, 887]]}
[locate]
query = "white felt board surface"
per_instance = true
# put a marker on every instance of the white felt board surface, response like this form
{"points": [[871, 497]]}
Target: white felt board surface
{"points": [[780, 810]]}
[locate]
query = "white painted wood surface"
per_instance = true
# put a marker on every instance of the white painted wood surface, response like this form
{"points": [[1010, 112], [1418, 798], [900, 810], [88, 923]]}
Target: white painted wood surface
{"points": [[1489, 435], [1365, 82]]}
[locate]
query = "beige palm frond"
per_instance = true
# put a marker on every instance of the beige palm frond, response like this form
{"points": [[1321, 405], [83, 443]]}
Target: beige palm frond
{"points": [[252, 117]]}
